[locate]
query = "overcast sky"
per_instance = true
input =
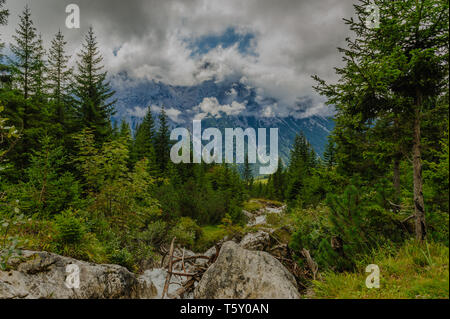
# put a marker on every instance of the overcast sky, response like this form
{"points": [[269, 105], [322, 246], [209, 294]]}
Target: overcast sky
{"points": [[272, 45]]}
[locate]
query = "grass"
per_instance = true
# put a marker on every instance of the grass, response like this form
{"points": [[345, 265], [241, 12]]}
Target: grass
{"points": [[252, 206], [261, 179], [255, 204], [414, 272], [211, 234]]}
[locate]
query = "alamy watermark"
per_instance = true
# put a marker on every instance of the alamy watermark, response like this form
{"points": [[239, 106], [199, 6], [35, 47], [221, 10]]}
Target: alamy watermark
{"points": [[73, 277], [373, 279], [212, 152], [73, 19]]}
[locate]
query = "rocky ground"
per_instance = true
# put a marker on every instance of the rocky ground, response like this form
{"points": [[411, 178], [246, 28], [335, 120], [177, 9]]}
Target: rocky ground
{"points": [[252, 267]]}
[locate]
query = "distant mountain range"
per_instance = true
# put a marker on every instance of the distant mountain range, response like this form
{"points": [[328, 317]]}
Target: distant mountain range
{"points": [[225, 104]]}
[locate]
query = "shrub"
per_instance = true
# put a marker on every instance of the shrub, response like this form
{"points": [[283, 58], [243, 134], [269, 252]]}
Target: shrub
{"points": [[186, 231], [155, 233], [123, 257], [70, 228], [210, 236]]}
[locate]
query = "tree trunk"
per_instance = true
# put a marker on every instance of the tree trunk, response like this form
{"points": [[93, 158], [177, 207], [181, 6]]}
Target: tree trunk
{"points": [[397, 182], [419, 207]]}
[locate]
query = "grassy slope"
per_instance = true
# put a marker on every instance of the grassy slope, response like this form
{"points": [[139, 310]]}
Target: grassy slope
{"points": [[413, 272]]}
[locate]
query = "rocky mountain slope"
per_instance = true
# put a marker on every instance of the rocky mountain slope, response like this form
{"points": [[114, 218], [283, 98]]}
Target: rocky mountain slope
{"points": [[234, 268], [218, 104]]}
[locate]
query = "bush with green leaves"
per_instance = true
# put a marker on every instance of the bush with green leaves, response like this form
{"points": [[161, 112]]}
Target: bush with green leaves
{"points": [[71, 229], [186, 231], [10, 244], [354, 223]]}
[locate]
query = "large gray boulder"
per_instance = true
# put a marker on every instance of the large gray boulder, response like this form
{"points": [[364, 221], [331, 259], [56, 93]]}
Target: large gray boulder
{"points": [[259, 240], [43, 275], [239, 273]]}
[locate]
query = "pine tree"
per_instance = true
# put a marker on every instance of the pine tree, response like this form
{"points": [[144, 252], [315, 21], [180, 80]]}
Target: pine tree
{"points": [[247, 174], [59, 77], [125, 130], [5, 76], [302, 160], [93, 92], [145, 137], [400, 68], [4, 13], [39, 71], [124, 133], [330, 154], [162, 142], [279, 183], [144, 143], [26, 51]]}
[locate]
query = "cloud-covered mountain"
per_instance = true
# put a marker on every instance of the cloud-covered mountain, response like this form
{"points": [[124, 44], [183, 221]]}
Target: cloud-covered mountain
{"points": [[222, 104]]}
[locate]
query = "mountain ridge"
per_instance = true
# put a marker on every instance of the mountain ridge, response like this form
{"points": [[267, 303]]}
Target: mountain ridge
{"points": [[218, 104]]}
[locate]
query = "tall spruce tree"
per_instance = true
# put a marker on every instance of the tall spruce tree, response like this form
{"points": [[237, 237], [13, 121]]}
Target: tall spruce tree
{"points": [[39, 71], [4, 13], [162, 142], [26, 51], [302, 160], [145, 137], [279, 182], [329, 155], [59, 77], [247, 173], [93, 92], [400, 68], [144, 143]]}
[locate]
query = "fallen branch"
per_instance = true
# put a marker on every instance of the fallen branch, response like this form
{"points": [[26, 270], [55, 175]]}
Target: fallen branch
{"points": [[182, 274], [408, 218], [311, 263], [190, 257], [194, 276], [169, 272]]}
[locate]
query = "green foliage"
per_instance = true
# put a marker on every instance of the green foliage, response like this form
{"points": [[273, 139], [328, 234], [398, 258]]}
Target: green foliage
{"points": [[162, 142], [231, 229], [412, 271], [27, 50], [355, 223], [186, 231], [144, 142], [70, 228], [210, 235], [111, 195], [7, 133], [92, 91], [10, 245]]}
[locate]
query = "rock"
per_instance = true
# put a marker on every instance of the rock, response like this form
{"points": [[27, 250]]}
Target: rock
{"points": [[243, 274], [43, 275], [276, 209], [258, 220], [247, 214], [157, 277], [256, 241], [211, 252]]}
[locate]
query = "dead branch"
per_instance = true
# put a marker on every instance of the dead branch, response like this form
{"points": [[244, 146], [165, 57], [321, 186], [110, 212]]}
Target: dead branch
{"points": [[194, 276], [190, 258], [169, 272], [182, 274], [311, 263], [408, 218]]}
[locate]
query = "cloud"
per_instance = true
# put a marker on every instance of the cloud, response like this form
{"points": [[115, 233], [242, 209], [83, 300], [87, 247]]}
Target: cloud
{"points": [[138, 111], [185, 42], [210, 106]]}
